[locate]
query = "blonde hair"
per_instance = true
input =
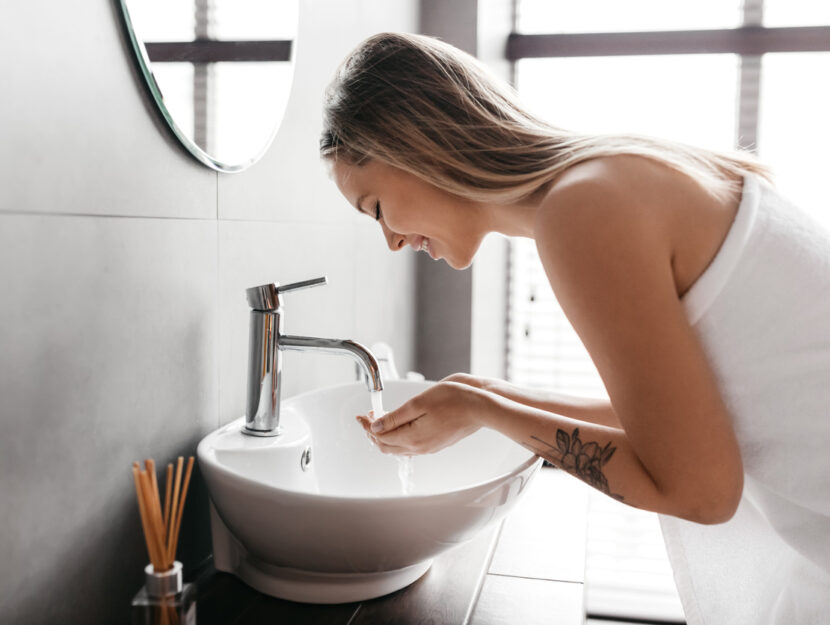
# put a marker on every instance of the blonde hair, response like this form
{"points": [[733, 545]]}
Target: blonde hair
{"points": [[421, 105]]}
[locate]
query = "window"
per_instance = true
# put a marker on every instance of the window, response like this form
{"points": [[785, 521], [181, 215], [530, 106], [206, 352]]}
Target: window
{"points": [[602, 16], [715, 73], [794, 126], [687, 98]]}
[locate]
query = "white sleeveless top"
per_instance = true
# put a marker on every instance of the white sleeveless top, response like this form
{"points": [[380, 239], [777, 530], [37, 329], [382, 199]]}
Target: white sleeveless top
{"points": [[762, 311]]}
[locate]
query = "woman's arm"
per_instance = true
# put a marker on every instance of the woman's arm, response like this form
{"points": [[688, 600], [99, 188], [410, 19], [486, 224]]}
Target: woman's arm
{"points": [[601, 456], [592, 410], [606, 243]]}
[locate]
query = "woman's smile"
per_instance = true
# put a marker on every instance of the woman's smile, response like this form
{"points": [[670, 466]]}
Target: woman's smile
{"points": [[423, 244]]}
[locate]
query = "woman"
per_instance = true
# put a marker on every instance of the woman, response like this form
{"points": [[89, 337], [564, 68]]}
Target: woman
{"points": [[702, 297]]}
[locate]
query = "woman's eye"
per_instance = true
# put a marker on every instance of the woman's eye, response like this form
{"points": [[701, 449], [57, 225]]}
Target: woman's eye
{"points": [[377, 211]]}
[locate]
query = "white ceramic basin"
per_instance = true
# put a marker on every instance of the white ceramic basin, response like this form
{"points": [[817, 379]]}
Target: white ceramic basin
{"points": [[341, 528]]}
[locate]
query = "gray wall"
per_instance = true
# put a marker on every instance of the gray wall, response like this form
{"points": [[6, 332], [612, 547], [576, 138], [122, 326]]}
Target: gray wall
{"points": [[123, 323], [462, 315], [444, 304]]}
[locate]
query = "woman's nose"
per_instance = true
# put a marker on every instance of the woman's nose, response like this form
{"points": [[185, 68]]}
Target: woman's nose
{"points": [[394, 240]]}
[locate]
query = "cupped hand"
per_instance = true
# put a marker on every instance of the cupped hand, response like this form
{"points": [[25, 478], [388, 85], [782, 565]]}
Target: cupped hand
{"points": [[436, 418]]}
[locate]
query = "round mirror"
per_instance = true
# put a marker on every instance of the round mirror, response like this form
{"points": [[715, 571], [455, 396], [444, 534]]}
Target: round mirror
{"points": [[219, 70]]}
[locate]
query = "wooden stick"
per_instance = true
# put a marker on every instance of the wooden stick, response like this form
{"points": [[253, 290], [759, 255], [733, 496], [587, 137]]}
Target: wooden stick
{"points": [[174, 509], [158, 561], [148, 527], [156, 502], [171, 554], [142, 510], [150, 465], [168, 492], [146, 490]]}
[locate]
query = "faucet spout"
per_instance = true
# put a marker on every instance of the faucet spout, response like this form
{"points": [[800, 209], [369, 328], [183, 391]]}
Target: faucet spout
{"points": [[361, 354]]}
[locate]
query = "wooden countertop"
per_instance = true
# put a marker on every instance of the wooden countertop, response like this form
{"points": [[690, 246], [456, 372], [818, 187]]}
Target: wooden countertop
{"points": [[529, 569]]}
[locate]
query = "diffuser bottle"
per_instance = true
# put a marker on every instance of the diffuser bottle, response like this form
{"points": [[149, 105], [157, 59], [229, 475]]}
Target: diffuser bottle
{"points": [[164, 599]]}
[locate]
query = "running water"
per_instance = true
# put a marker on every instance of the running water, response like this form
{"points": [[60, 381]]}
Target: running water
{"points": [[405, 473], [404, 462], [377, 403]]}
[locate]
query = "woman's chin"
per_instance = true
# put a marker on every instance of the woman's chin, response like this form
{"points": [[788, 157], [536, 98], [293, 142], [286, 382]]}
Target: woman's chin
{"points": [[457, 259], [459, 264]]}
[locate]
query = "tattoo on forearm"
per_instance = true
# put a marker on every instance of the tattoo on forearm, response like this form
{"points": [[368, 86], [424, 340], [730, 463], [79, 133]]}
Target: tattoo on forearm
{"points": [[584, 460]]}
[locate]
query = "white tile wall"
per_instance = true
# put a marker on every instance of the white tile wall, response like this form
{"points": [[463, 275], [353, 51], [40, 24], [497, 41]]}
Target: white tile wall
{"points": [[270, 189], [123, 264], [78, 132], [385, 299]]}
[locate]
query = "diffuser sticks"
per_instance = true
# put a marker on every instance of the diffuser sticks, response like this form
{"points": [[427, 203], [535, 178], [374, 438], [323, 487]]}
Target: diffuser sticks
{"points": [[161, 524]]}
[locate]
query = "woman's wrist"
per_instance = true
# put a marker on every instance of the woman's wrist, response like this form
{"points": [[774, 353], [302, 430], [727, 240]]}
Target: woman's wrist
{"points": [[494, 385], [486, 404], [486, 396]]}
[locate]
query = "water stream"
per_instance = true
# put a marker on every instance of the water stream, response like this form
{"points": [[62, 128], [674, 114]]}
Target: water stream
{"points": [[404, 462]]}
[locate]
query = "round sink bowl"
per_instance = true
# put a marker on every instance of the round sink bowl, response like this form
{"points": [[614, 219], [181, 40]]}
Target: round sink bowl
{"points": [[319, 515]]}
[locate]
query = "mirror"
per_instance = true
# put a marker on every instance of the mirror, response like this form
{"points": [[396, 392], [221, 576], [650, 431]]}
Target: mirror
{"points": [[220, 71]]}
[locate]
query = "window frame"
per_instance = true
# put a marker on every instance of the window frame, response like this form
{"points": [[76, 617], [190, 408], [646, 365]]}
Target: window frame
{"points": [[749, 42]]}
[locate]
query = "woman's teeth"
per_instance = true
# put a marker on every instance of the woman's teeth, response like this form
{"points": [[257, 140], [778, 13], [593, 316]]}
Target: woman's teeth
{"points": [[425, 247]]}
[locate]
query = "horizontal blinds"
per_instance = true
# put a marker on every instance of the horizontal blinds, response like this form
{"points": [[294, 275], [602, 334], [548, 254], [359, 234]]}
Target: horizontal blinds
{"points": [[543, 350]]}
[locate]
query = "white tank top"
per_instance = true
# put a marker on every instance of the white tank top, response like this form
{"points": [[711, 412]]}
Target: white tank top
{"points": [[762, 311]]}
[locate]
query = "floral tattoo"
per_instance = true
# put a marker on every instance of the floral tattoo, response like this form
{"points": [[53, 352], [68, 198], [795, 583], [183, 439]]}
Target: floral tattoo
{"points": [[585, 460]]}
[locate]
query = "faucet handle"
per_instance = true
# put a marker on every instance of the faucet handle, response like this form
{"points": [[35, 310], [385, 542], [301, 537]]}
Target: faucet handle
{"points": [[266, 296], [305, 284]]}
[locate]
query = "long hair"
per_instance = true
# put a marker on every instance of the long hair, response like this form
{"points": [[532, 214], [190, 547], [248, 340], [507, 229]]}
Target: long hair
{"points": [[426, 107]]}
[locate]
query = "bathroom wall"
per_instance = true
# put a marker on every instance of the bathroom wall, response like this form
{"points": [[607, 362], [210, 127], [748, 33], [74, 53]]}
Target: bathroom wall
{"points": [[445, 318], [123, 264], [465, 312]]}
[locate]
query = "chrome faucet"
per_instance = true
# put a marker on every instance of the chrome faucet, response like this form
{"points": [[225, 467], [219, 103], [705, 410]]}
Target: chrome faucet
{"points": [[266, 342]]}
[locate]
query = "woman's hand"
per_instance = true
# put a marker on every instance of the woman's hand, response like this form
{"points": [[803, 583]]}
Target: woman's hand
{"points": [[440, 416]]}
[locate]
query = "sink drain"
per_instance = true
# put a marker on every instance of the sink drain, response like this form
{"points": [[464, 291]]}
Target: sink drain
{"points": [[305, 459]]}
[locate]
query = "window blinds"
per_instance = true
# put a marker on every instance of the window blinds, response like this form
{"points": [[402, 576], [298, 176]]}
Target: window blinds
{"points": [[543, 350]]}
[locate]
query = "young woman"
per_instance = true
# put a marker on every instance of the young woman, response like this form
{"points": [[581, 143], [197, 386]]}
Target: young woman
{"points": [[701, 295]]}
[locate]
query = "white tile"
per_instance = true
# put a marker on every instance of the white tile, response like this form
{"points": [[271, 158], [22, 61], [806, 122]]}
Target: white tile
{"points": [[80, 132], [107, 330], [505, 599], [385, 307], [291, 183]]}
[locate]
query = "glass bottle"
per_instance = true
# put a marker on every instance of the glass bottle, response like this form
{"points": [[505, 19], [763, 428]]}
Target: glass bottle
{"points": [[164, 600]]}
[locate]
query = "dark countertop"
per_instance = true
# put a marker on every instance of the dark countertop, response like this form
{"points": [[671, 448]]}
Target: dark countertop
{"points": [[529, 569]]}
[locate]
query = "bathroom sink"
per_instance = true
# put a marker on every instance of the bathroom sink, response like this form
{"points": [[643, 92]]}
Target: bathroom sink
{"points": [[320, 515]]}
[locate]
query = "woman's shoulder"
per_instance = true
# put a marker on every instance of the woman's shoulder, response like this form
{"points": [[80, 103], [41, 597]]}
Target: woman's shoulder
{"points": [[639, 199], [627, 191], [622, 179]]}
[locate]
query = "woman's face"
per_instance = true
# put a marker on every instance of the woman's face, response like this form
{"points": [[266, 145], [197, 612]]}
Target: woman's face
{"points": [[413, 212]]}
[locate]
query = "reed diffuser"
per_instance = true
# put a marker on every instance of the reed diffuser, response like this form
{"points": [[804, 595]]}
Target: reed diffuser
{"points": [[163, 600]]}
